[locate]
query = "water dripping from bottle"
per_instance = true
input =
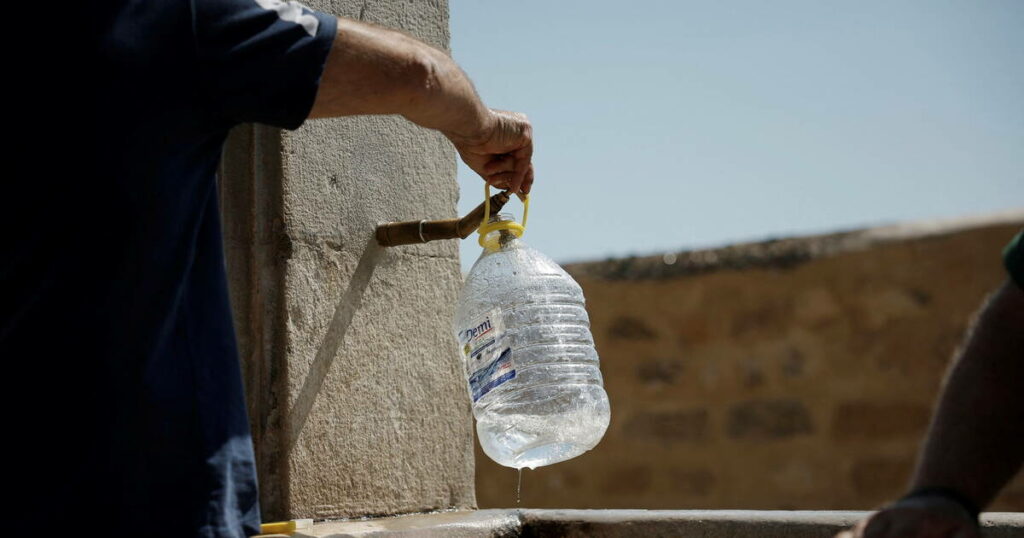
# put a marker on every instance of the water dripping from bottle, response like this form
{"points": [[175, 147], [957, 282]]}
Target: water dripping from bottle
{"points": [[519, 485]]}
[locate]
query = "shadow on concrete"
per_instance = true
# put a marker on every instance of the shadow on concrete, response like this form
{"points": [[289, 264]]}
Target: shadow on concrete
{"points": [[349, 304]]}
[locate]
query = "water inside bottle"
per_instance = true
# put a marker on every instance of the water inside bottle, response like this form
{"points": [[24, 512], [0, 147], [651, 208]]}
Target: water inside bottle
{"points": [[532, 440], [531, 366]]}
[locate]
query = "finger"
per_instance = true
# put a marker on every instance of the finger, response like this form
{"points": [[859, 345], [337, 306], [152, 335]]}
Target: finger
{"points": [[500, 163], [877, 526], [515, 181], [523, 155], [858, 530], [501, 180], [908, 524], [844, 534], [523, 163], [528, 181], [475, 163]]}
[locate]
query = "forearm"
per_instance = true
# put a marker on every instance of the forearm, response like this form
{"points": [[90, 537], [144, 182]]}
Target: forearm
{"points": [[373, 70], [976, 440]]}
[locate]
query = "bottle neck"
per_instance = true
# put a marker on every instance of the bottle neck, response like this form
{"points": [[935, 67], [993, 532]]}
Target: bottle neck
{"points": [[499, 237], [501, 240]]}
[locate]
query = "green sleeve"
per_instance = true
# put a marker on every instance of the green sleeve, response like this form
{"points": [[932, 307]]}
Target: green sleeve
{"points": [[1013, 257]]}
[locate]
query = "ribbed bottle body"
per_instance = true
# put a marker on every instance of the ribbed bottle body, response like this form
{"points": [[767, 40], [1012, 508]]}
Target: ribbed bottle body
{"points": [[531, 366]]}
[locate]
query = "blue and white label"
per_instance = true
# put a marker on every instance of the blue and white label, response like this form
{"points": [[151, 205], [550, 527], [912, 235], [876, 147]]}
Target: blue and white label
{"points": [[488, 357], [493, 375]]}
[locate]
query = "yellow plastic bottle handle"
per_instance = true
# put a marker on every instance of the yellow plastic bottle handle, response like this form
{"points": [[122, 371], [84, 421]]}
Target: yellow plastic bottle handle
{"points": [[488, 227]]}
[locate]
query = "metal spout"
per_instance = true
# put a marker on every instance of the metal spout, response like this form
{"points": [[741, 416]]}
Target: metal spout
{"points": [[392, 234]]}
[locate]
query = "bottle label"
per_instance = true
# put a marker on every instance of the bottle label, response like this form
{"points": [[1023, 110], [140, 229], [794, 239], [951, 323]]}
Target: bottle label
{"points": [[488, 357]]}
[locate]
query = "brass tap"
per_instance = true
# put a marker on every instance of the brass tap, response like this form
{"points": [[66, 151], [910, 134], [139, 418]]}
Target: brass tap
{"points": [[392, 234]]}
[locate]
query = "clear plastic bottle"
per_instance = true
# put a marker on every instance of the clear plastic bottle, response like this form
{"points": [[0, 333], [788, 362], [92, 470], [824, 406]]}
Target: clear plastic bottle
{"points": [[531, 365]]}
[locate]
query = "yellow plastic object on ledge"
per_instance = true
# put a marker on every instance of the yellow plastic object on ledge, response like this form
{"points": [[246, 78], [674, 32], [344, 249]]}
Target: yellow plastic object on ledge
{"points": [[284, 527], [488, 227], [279, 527]]}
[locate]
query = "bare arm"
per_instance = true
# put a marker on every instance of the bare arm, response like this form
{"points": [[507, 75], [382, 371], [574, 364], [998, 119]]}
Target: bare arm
{"points": [[975, 443], [374, 70], [976, 440]]}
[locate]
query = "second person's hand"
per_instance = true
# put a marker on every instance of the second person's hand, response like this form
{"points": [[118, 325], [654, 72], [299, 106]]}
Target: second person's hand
{"points": [[926, 517]]}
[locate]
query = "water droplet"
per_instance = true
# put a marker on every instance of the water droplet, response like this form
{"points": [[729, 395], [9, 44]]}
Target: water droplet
{"points": [[519, 486]]}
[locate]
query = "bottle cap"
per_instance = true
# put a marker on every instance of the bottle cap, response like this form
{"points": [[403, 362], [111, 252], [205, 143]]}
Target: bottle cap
{"points": [[512, 226]]}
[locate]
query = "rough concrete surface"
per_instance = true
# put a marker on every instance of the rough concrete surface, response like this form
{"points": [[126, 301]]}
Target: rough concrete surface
{"points": [[626, 523], [459, 524], [357, 399]]}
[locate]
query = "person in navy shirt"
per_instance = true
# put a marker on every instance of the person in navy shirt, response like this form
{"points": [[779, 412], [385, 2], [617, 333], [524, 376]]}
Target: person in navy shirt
{"points": [[115, 306]]}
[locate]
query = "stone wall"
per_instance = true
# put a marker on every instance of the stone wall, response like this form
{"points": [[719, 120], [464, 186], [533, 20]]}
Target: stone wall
{"points": [[797, 373], [355, 390]]}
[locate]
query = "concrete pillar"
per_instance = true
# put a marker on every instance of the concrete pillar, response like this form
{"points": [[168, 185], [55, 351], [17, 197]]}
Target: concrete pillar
{"points": [[355, 390]]}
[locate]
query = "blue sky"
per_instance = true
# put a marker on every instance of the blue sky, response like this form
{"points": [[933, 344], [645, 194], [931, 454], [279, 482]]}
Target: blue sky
{"points": [[663, 126]]}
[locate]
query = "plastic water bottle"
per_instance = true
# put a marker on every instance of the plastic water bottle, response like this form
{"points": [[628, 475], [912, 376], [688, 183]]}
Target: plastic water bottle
{"points": [[531, 365]]}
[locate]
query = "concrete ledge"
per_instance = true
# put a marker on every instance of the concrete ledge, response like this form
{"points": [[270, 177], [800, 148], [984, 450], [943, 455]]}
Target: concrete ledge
{"points": [[460, 524], [626, 523]]}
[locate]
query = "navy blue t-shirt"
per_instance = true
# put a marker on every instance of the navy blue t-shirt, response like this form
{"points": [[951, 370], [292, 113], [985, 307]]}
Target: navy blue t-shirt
{"points": [[115, 309]]}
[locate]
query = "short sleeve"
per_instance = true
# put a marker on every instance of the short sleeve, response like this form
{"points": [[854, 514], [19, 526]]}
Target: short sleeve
{"points": [[260, 60], [1013, 258]]}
